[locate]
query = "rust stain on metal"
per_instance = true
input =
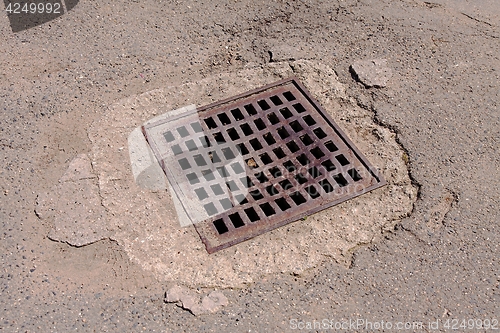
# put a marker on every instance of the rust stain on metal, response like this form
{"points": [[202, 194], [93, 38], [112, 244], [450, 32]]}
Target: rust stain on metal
{"points": [[278, 153]]}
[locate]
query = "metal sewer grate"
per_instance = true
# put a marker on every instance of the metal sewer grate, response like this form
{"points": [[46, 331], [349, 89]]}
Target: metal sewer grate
{"points": [[252, 163]]}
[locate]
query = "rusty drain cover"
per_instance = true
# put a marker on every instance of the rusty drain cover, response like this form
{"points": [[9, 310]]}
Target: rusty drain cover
{"points": [[249, 164]]}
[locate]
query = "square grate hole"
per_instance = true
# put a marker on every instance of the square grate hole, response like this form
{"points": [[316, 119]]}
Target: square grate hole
{"points": [[273, 118], [183, 131], [247, 130], [233, 134], [261, 177], [208, 175], [247, 182], [237, 168], [256, 195], [299, 108], [282, 204], [275, 172], [267, 209], [220, 226], [317, 152], [177, 150], [226, 204], [342, 159], [250, 109], [306, 139], [293, 146], [214, 157], [200, 161], [219, 138], [256, 144], [289, 96], [217, 189], [263, 105], [312, 191], [309, 120], [276, 100], [236, 220], [286, 113], [296, 126], [237, 114], [283, 133], [193, 178], [302, 158], [328, 165], [197, 127], [210, 123], [354, 175], [259, 123], [241, 199], [222, 172], [331, 146], [289, 166], [169, 137], [191, 145], [327, 187], [204, 142], [298, 198], [340, 180], [228, 153], [320, 133], [272, 190], [279, 152], [224, 119], [269, 139], [258, 161], [202, 194], [231, 185], [184, 163], [252, 214], [242, 149], [266, 159], [210, 209]]}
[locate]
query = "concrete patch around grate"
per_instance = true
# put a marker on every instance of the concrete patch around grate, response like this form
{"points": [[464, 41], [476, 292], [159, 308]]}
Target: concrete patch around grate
{"points": [[73, 206], [144, 221], [189, 300], [281, 156]]}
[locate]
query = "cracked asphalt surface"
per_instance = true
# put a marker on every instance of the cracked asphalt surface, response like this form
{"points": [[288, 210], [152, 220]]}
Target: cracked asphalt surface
{"points": [[439, 263]]}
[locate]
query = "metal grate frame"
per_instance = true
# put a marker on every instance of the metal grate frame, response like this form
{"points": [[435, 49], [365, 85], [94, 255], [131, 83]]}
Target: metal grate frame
{"points": [[278, 153]]}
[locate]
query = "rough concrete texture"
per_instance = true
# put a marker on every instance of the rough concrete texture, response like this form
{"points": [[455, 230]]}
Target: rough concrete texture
{"points": [[146, 170], [145, 223], [189, 300], [290, 51], [73, 206], [372, 73], [78, 169]]}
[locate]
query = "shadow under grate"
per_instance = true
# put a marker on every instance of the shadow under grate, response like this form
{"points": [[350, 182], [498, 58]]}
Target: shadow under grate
{"points": [[258, 161]]}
